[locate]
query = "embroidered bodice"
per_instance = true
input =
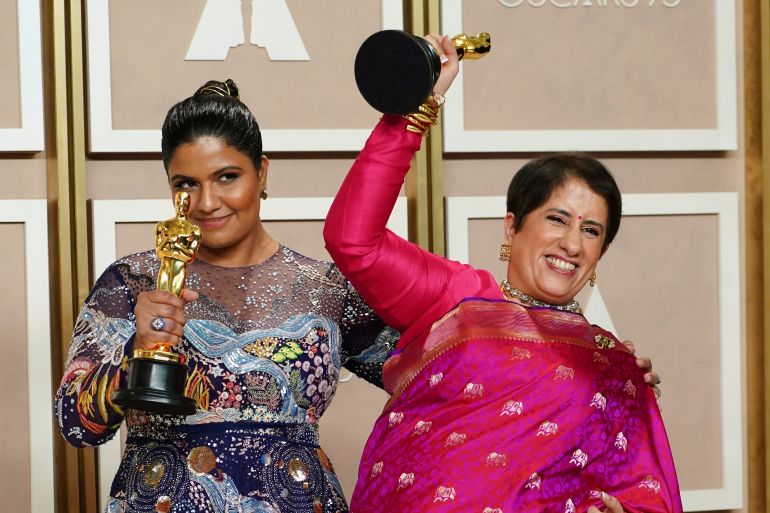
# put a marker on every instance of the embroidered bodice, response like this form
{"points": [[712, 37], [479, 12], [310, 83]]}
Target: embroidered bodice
{"points": [[264, 346]]}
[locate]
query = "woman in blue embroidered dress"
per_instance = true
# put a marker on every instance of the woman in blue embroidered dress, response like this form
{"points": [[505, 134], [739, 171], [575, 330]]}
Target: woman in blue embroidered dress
{"points": [[265, 332]]}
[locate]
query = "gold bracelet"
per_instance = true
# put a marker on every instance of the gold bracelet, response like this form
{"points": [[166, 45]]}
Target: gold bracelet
{"points": [[425, 117]]}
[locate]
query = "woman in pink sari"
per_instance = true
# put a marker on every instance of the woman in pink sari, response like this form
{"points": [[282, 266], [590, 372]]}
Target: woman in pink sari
{"points": [[503, 397]]}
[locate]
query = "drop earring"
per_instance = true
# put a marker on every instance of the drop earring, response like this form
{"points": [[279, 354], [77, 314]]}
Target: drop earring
{"points": [[505, 252]]}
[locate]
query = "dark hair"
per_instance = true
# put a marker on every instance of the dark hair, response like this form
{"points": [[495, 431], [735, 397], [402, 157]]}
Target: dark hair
{"points": [[215, 110], [534, 183]]}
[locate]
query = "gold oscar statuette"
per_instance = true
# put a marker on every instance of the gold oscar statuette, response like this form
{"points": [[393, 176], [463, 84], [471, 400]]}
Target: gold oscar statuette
{"points": [[156, 377], [395, 71], [472, 47]]}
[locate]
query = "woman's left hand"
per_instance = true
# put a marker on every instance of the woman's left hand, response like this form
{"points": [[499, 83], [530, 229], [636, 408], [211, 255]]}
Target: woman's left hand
{"points": [[644, 363], [613, 505], [450, 62]]}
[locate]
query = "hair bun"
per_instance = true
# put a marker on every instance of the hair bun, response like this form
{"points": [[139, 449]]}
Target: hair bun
{"points": [[215, 87]]}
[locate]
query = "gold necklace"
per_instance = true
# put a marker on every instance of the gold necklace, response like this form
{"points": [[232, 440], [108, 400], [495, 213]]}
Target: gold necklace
{"points": [[514, 293]]}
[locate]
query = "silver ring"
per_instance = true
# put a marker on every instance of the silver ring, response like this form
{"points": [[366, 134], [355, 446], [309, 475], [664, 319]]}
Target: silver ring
{"points": [[158, 323]]}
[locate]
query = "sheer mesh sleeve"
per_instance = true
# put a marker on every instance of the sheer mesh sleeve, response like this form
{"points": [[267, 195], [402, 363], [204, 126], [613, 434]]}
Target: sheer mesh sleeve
{"points": [[102, 339], [366, 340]]}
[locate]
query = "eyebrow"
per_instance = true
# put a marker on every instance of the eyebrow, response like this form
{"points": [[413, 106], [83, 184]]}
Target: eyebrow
{"points": [[567, 214], [218, 171]]}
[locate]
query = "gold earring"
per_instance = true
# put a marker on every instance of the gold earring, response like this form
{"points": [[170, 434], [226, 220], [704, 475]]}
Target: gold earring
{"points": [[505, 252], [592, 279], [263, 194]]}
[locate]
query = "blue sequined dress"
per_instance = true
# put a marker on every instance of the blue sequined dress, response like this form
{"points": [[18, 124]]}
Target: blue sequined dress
{"points": [[264, 346]]}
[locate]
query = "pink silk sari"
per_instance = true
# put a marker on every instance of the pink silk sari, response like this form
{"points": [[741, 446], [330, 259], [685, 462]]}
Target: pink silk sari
{"points": [[505, 408]]}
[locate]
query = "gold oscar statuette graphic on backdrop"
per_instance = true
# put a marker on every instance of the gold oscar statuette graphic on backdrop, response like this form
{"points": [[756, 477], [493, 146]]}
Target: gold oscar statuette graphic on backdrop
{"points": [[396, 71], [156, 377]]}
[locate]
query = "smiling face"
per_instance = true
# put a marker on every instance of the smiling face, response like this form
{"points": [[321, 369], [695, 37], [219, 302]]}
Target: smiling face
{"points": [[224, 189], [557, 248]]}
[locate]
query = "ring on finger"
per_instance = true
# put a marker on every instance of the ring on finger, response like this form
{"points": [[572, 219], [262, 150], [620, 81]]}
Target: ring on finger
{"points": [[158, 324]]}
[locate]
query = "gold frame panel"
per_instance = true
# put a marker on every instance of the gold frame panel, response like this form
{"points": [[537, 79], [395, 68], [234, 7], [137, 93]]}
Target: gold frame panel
{"points": [[758, 179], [75, 470], [424, 183]]}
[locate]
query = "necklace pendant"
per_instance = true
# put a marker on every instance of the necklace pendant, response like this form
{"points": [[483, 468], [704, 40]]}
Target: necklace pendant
{"points": [[603, 342]]}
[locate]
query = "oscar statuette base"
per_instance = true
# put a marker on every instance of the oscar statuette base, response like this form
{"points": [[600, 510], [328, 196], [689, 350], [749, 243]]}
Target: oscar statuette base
{"points": [[155, 386]]}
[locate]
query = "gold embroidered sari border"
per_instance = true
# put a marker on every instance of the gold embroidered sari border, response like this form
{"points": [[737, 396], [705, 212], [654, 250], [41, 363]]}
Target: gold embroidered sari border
{"points": [[526, 332]]}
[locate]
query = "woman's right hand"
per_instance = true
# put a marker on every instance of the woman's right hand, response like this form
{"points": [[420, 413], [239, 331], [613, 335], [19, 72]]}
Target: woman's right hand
{"points": [[450, 62], [166, 306], [613, 505]]}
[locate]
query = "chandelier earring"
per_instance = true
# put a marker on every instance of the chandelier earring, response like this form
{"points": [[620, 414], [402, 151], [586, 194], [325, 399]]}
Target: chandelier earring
{"points": [[592, 279], [505, 252]]}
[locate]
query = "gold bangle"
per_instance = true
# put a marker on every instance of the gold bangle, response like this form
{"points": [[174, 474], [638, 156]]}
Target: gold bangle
{"points": [[426, 116], [428, 110]]}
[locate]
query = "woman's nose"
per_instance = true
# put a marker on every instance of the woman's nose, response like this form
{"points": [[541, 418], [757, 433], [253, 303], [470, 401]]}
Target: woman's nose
{"points": [[208, 200], [572, 241]]}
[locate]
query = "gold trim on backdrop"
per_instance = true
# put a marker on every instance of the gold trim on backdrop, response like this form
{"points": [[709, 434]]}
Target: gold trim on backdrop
{"points": [[435, 150], [66, 464], [417, 179], [89, 475], [424, 183], [77, 116], [754, 246], [761, 486], [75, 470], [417, 200]]}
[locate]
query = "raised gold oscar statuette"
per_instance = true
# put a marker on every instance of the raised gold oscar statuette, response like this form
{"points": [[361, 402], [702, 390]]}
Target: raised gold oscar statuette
{"points": [[472, 47], [396, 71], [156, 377]]}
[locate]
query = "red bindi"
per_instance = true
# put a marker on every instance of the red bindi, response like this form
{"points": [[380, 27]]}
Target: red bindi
{"points": [[580, 217]]}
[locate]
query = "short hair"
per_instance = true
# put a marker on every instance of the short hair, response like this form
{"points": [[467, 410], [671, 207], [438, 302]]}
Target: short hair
{"points": [[537, 180], [215, 110]]}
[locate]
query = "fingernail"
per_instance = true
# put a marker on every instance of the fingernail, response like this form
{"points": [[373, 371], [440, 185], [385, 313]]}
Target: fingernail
{"points": [[604, 496], [444, 58]]}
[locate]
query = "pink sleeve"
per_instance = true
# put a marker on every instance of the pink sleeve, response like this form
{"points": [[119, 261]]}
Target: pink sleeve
{"points": [[408, 287]]}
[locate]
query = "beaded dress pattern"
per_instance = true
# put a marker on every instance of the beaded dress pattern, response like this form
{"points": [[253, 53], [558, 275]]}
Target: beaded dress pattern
{"points": [[264, 346]]}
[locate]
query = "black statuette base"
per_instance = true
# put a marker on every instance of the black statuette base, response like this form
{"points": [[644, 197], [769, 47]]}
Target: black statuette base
{"points": [[396, 71], [157, 387]]}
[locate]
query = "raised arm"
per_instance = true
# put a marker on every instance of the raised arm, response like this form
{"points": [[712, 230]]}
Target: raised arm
{"points": [[408, 287]]}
